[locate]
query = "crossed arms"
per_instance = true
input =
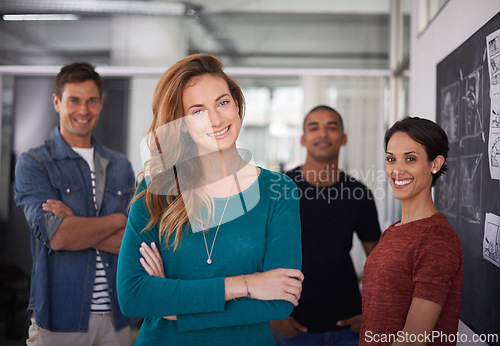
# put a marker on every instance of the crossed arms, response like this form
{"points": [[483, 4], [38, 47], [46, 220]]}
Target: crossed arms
{"points": [[78, 233], [36, 195]]}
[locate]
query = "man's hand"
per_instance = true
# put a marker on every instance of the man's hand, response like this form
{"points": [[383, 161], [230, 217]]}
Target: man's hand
{"points": [[354, 322], [289, 326], [57, 208]]}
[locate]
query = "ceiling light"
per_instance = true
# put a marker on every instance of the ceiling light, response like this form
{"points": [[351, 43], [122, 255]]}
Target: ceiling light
{"points": [[94, 6], [24, 17]]}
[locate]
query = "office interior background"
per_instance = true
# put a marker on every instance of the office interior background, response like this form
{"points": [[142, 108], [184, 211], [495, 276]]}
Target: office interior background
{"points": [[373, 60]]}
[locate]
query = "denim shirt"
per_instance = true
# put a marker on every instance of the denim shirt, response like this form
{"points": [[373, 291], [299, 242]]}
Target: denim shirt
{"points": [[62, 282]]}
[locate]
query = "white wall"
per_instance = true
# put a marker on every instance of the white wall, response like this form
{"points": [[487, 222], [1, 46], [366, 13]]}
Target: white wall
{"points": [[457, 21], [145, 41]]}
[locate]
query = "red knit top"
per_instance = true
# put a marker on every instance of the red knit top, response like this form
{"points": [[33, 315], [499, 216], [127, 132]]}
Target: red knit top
{"points": [[421, 259]]}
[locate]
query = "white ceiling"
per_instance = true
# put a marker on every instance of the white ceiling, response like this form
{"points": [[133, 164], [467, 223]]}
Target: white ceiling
{"points": [[274, 33]]}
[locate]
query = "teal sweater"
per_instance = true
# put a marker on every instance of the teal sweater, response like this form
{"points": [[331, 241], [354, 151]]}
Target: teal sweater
{"points": [[265, 237]]}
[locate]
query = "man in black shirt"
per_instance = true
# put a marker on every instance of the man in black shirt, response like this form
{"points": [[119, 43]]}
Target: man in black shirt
{"points": [[333, 205]]}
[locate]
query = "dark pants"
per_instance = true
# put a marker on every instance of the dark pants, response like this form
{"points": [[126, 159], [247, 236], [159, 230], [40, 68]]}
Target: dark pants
{"points": [[344, 337]]}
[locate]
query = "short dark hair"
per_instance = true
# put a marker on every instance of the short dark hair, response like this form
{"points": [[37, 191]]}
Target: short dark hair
{"points": [[324, 108], [77, 72], [426, 132]]}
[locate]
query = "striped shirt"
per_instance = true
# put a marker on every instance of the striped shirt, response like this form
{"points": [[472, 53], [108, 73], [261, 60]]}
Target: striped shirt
{"points": [[100, 297]]}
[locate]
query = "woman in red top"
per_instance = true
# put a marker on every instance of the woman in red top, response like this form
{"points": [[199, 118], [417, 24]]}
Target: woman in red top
{"points": [[412, 283]]}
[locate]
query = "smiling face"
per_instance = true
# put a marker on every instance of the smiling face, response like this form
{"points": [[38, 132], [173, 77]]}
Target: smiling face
{"points": [[79, 108], [211, 114], [408, 169], [323, 135]]}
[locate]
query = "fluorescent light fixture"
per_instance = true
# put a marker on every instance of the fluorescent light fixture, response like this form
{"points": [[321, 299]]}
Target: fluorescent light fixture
{"points": [[26, 17], [94, 6]]}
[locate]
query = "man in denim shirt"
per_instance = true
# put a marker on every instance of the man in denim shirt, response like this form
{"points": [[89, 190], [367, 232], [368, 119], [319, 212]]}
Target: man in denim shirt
{"points": [[74, 193]]}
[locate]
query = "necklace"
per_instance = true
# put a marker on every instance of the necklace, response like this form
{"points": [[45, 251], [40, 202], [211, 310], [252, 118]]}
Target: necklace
{"points": [[209, 254]]}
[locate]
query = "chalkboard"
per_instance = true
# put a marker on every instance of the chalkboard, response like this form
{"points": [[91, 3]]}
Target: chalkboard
{"points": [[469, 193]]}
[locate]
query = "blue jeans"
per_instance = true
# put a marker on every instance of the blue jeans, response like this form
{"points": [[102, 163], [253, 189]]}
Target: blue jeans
{"points": [[344, 337]]}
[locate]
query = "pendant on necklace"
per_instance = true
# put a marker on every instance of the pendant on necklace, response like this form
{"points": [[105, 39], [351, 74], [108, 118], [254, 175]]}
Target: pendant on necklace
{"points": [[209, 261]]}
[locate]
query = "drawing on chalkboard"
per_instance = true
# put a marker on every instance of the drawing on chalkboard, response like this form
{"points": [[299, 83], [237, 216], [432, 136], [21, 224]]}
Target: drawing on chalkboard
{"points": [[447, 185], [495, 118], [495, 69], [495, 152], [478, 181], [472, 98], [449, 110], [491, 240], [470, 194], [495, 112], [495, 79], [494, 45], [495, 64]]}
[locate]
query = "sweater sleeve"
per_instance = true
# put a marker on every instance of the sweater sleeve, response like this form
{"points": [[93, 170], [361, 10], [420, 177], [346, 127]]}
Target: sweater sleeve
{"points": [[140, 294], [283, 251]]}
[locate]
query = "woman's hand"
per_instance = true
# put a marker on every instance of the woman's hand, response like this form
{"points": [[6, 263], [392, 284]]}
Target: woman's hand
{"points": [[151, 260], [276, 284]]}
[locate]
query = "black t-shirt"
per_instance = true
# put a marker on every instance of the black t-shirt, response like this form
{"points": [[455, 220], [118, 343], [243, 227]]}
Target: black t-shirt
{"points": [[329, 216]]}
